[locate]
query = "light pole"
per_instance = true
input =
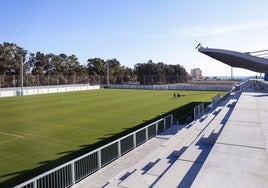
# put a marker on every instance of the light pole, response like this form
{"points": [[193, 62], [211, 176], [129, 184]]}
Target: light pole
{"points": [[22, 55], [231, 78], [107, 64]]}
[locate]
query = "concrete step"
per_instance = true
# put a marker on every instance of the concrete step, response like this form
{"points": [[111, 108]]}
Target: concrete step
{"points": [[137, 179], [212, 132], [183, 151], [183, 171], [179, 175], [165, 157]]}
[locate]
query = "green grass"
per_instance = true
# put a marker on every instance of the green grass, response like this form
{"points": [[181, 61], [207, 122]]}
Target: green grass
{"points": [[41, 131]]}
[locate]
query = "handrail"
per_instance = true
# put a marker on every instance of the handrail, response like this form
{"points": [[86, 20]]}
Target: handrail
{"points": [[34, 180]]}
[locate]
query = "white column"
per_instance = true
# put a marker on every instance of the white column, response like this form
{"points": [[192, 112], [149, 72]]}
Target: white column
{"points": [[99, 159], [119, 148], [146, 133], [134, 140], [73, 173]]}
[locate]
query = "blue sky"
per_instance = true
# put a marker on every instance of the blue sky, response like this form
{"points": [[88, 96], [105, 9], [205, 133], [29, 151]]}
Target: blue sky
{"points": [[135, 31]]}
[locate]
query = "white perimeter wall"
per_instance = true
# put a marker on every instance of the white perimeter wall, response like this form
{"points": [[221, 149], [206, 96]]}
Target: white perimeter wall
{"points": [[173, 87], [16, 91]]}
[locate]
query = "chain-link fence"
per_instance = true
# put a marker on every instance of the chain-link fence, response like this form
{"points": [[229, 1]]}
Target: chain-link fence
{"points": [[161, 79], [44, 80]]}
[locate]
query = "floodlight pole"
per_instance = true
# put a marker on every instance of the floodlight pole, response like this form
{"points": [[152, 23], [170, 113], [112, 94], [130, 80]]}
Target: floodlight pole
{"points": [[23, 53], [231, 78], [107, 64]]}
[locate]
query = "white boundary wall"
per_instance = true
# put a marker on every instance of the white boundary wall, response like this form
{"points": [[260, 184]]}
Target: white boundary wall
{"points": [[172, 87], [16, 91]]}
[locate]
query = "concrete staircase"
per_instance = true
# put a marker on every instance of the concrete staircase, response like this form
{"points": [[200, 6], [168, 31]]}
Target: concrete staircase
{"points": [[178, 160]]}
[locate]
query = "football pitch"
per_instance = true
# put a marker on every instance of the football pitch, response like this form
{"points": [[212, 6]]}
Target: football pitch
{"points": [[40, 131]]}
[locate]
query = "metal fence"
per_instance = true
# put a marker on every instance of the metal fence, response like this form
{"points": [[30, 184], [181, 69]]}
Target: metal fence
{"points": [[71, 172], [29, 80], [171, 87], [198, 110]]}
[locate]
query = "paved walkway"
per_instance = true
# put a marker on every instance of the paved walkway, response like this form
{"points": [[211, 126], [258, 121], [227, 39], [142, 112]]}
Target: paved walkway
{"points": [[239, 158]]}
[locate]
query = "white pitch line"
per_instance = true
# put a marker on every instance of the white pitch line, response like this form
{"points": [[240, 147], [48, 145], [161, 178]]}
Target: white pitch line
{"points": [[10, 140], [18, 136]]}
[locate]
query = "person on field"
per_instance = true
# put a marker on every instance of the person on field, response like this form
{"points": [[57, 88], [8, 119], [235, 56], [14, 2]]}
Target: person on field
{"points": [[178, 95], [174, 95]]}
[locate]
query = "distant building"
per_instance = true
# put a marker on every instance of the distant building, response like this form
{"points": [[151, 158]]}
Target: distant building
{"points": [[196, 73]]}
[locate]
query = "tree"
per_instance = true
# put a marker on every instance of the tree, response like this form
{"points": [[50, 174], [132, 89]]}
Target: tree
{"points": [[44, 69], [73, 64], [146, 72], [96, 69], [96, 66], [159, 73], [37, 62], [10, 55], [128, 75], [115, 71]]}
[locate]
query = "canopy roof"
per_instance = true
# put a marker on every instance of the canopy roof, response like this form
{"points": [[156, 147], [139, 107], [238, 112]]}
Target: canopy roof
{"points": [[237, 59]]}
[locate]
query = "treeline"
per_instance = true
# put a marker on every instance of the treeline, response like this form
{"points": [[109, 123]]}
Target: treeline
{"points": [[159, 73], [50, 69]]}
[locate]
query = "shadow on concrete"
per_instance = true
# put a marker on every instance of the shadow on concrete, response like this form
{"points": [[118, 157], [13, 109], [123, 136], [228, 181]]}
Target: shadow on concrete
{"points": [[148, 166], [172, 158], [190, 176], [203, 146], [263, 95]]}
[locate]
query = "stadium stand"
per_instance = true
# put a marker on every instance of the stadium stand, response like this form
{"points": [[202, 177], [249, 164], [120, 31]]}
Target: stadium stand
{"points": [[239, 156], [195, 155]]}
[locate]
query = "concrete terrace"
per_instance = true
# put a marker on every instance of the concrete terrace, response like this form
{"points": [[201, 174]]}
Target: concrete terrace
{"points": [[239, 156], [226, 147]]}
